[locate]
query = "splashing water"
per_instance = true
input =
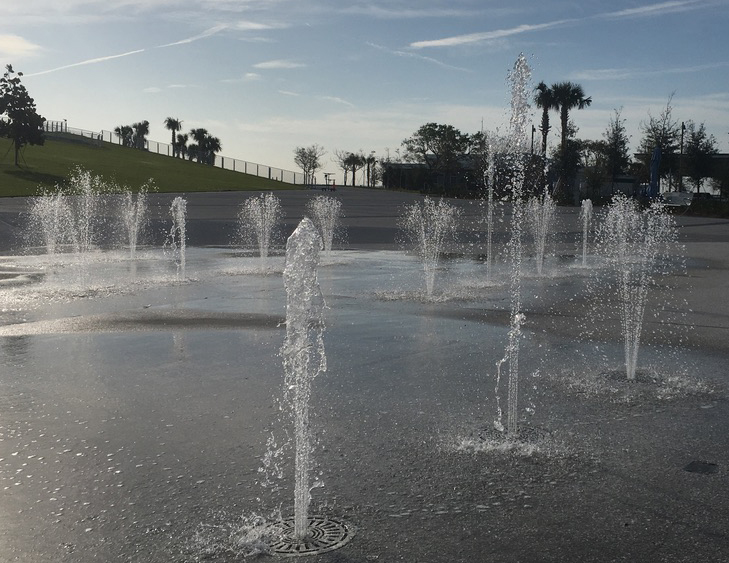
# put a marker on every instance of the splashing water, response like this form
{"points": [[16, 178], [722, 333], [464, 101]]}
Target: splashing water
{"points": [[326, 213], [519, 82], [429, 226], [541, 211], [177, 238], [303, 353], [635, 243], [51, 217], [490, 176], [134, 212], [585, 219], [88, 191], [257, 220]]}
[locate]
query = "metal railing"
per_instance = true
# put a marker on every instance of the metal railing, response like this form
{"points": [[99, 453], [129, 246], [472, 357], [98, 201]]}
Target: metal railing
{"points": [[166, 149]]}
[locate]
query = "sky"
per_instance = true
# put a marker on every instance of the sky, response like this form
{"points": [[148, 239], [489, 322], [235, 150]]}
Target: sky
{"points": [[268, 76]]}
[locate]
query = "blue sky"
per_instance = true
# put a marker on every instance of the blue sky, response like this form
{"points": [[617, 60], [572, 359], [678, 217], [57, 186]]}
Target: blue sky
{"points": [[266, 76]]}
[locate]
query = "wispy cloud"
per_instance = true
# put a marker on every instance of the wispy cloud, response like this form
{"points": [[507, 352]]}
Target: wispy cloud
{"points": [[278, 63], [489, 35], [207, 33], [88, 62], [247, 77], [418, 12], [288, 93], [630, 73], [15, 47], [649, 10], [654, 9], [408, 54], [336, 100], [245, 25]]}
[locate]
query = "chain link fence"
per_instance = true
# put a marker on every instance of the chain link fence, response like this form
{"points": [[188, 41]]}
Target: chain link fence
{"points": [[166, 149]]}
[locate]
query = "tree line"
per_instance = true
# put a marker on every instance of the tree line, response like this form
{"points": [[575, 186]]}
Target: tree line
{"points": [[203, 148], [450, 161]]}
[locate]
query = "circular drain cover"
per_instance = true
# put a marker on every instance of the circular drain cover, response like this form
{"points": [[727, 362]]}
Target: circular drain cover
{"points": [[324, 535]]}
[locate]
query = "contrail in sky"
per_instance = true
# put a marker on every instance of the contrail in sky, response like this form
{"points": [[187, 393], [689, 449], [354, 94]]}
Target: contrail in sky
{"points": [[88, 62], [203, 35]]}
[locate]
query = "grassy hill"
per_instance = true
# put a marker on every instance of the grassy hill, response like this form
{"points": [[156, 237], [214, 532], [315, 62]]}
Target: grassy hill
{"points": [[52, 163]]}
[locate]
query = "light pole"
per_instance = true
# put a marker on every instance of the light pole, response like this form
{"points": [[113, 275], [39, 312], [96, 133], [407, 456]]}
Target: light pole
{"points": [[680, 159], [534, 129]]}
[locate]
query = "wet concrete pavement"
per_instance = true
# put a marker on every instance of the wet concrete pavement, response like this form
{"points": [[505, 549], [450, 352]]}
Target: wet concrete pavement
{"points": [[135, 410]]}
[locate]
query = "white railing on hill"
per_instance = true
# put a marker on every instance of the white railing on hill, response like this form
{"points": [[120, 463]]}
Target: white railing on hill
{"points": [[225, 162]]}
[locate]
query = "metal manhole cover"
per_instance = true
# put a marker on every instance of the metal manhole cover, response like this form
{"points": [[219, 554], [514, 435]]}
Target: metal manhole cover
{"points": [[324, 535]]}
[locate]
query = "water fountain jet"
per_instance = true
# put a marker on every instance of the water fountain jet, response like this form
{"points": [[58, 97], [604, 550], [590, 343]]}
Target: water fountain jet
{"points": [[258, 219], [634, 243], [177, 238], [429, 226], [304, 358], [326, 213], [585, 220]]}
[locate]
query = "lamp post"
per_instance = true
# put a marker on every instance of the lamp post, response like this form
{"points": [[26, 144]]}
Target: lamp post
{"points": [[534, 129], [680, 159]]}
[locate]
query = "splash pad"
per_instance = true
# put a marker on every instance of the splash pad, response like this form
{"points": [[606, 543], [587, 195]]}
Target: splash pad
{"points": [[138, 407]]}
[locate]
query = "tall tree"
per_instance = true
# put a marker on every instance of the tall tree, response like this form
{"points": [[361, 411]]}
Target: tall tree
{"points": [[568, 96], [544, 99], [19, 120], [181, 145], [125, 134], [197, 149], [370, 161], [663, 132], [211, 145], [141, 130], [354, 162], [439, 147], [174, 125], [340, 159], [617, 150], [309, 160], [700, 150]]}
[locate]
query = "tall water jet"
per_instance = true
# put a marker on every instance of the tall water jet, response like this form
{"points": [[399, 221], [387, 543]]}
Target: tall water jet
{"points": [[490, 177], [519, 82], [177, 238], [326, 213], [585, 220], [258, 219], [429, 226], [134, 214], [635, 243], [51, 217], [87, 190], [540, 214], [303, 352]]}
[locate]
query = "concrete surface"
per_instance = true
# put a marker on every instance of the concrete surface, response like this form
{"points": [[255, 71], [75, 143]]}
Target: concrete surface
{"points": [[135, 409]]}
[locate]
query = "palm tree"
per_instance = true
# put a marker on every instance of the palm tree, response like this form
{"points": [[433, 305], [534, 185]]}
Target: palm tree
{"points": [[181, 144], [174, 125], [198, 135], [544, 98], [568, 96], [125, 134], [141, 130], [211, 145]]}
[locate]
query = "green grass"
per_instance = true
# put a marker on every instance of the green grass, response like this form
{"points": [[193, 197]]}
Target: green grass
{"points": [[51, 164]]}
